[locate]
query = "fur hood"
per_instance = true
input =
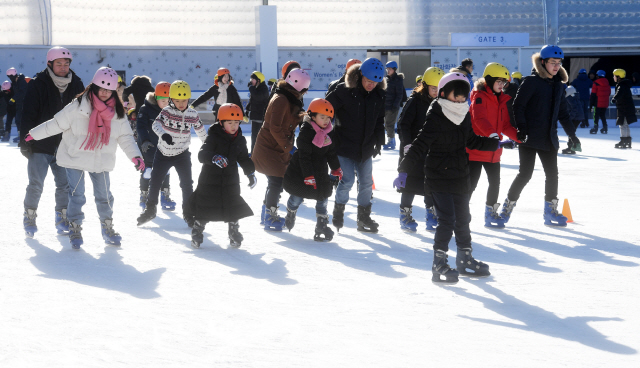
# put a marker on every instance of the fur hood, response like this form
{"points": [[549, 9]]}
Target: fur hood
{"points": [[401, 75], [459, 70], [353, 75], [151, 98], [480, 85], [543, 73]]}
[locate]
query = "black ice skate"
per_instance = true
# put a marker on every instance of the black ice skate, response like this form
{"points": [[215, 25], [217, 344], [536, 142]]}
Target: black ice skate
{"points": [[469, 266], [290, 219], [365, 223], [441, 269], [148, 215], [197, 236], [338, 216], [235, 237], [323, 232]]}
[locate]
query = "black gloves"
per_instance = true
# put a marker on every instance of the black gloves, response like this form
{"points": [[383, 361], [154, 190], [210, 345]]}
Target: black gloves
{"points": [[167, 138], [522, 136], [146, 145], [376, 151]]}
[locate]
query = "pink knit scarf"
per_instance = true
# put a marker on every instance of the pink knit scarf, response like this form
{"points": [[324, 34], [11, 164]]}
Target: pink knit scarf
{"points": [[321, 139], [99, 123]]}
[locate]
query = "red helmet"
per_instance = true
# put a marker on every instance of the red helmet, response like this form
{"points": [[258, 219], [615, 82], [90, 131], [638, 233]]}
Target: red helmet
{"points": [[223, 71], [353, 61], [287, 66], [162, 89]]}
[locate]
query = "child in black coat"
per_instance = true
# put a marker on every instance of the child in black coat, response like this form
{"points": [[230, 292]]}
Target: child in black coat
{"points": [[306, 176], [217, 197]]}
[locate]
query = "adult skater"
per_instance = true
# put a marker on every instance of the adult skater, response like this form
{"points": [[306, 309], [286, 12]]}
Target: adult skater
{"points": [[258, 100], [394, 97], [583, 84], [223, 91]]}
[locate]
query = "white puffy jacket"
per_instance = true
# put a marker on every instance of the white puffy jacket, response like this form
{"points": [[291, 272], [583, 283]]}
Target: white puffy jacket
{"points": [[73, 122]]}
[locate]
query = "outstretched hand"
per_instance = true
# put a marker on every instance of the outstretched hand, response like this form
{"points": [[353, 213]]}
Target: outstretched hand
{"points": [[400, 181]]}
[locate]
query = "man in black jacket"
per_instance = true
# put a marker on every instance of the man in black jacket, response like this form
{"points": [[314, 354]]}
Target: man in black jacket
{"points": [[258, 101], [538, 105], [395, 96], [51, 90], [19, 89], [140, 86], [358, 136]]}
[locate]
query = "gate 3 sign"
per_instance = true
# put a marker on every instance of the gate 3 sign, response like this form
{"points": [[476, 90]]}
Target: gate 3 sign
{"points": [[488, 39]]}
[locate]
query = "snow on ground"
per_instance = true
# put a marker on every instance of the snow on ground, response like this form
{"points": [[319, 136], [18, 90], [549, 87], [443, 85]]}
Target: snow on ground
{"points": [[557, 298]]}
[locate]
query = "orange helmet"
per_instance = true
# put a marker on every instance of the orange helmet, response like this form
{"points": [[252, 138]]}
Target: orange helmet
{"points": [[229, 111], [162, 89], [223, 71], [287, 65], [321, 106], [27, 79], [353, 61]]}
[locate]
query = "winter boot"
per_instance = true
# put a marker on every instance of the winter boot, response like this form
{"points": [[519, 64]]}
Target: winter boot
{"points": [[323, 232], [75, 237], [6, 136], [196, 234], [551, 215], [432, 219], [290, 219], [338, 216], [165, 201], [235, 237], [628, 142], [16, 139], [391, 145], [507, 208], [148, 215], [622, 143], [469, 266], [594, 130], [406, 220], [441, 268], [144, 194], [264, 211], [365, 223], [29, 222], [604, 130], [62, 223], [568, 151], [273, 222], [492, 218], [109, 235]]}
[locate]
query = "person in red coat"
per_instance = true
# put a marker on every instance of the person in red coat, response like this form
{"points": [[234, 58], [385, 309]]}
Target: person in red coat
{"points": [[600, 93], [490, 118]]}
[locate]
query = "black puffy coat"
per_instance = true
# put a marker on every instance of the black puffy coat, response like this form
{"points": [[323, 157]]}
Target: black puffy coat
{"points": [[147, 114], [258, 101], [140, 86], [395, 91], [310, 160], [539, 104], [625, 107], [41, 103], [213, 92], [3, 107], [412, 119], [359, 123], [217, 197], [512, 90], [19, 87], [334, 84], [444, 143]]}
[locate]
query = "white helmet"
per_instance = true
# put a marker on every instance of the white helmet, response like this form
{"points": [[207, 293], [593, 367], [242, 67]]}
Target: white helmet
{"points": [[570, 91]]}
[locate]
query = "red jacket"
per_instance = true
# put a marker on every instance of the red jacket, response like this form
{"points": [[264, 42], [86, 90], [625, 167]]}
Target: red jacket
{"points": [[602, 90], [489, 115]]}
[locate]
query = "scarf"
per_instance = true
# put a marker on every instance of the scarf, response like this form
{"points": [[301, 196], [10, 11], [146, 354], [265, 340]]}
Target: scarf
{"points": [[222, 96], [60, 82], [321, 139], [454, 111], [99, 123]]}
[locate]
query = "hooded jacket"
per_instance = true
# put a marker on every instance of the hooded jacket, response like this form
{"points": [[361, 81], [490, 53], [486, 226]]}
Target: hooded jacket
{"points": [[359, 122], [258, 100], [147, 114], [623, 99], [140, 86], [600, 93], [395, 91], [213, 92], [335, 83], [539, 104], [582, 84]]}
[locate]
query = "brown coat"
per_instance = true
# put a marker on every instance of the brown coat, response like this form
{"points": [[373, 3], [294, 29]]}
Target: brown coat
{"points": [[275, 140]]}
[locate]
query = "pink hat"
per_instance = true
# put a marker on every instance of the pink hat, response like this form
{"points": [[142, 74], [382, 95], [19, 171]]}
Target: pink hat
{"points": [[106, 78], [12, 71], [299, 79], [6, 85], [58, 53], [450, 77]]}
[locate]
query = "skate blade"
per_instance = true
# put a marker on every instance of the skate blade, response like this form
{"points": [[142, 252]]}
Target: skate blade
{"points": [[168, 208], [436, 280], [492, 226], [473, 275], [275, 229], [115, 244], [235, 245], [551, 224], [63, 233], [365, 230], [195, 245], [409, 229], [322, 239], [29, 234]]}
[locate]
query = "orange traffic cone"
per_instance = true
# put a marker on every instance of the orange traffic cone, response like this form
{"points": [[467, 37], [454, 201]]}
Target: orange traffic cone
{"points": [[373, 187], [566, 210]]}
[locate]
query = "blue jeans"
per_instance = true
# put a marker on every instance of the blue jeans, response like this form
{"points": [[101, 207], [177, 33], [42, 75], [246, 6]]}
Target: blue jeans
{"points": [[349, 168], [37, 169], [101, 192], [321, 204]]}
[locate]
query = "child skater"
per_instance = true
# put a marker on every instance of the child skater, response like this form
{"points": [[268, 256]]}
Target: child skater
{"points": [[217, 197], [306, 176], [173, 127], [444, 139], [92, 127], [624, 106], [411, 121]]}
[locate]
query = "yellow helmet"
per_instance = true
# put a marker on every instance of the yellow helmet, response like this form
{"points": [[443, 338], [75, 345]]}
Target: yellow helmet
{"points": [[119, 79], [419, 79], [496, 70], [516, 75], [259, 75], [272, 80], [432, 76], [180, 90], [620, 73]]}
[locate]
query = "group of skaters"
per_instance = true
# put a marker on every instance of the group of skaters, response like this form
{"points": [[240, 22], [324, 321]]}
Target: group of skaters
{"points": [[450, 128]]}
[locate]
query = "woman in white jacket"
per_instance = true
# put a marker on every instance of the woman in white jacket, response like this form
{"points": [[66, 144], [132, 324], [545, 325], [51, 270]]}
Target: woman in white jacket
{"points": [[92, 126]]}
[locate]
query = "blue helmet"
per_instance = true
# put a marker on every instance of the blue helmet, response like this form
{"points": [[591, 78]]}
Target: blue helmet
{"points": [[373, 69], [601, 73], [551, 51], [392, 64], [582, 71]]}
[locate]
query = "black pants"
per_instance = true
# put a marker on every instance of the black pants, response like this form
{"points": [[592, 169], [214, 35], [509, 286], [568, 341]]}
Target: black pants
{"points": [[256, 125], [549, 161], [148, 162], [161, 166], [493, 174], [274, 188], [7, 124], [600, 113], [406, 200], [453, 217]]}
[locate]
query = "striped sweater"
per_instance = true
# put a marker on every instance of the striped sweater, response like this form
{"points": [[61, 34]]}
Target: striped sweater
{"points": [[178, 125]]}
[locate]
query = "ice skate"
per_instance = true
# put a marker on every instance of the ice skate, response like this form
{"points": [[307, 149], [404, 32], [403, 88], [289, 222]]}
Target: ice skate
{"points": [[75, 236], [621, 144], [273, 222], [109, 235], [338, 216], [62, 223], [197, 236], [551, 215], [323, 232], [507, 208], [165, 200], [290, 219], [262, 215], [29, 222], [441, 269], [235, 238], [603, 130], [148, 215], [407, 222], [365, 223], [144, 194], [189, 220], [594, 130], [628, 142], [492, 218], [469, 266], [432, 219], [391, 145]]}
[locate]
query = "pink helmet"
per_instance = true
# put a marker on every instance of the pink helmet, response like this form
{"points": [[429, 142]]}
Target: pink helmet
{"points": [[450, 77], [6, 85], [58, 53], [12, 71], [106, 78], [299, 79]]}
